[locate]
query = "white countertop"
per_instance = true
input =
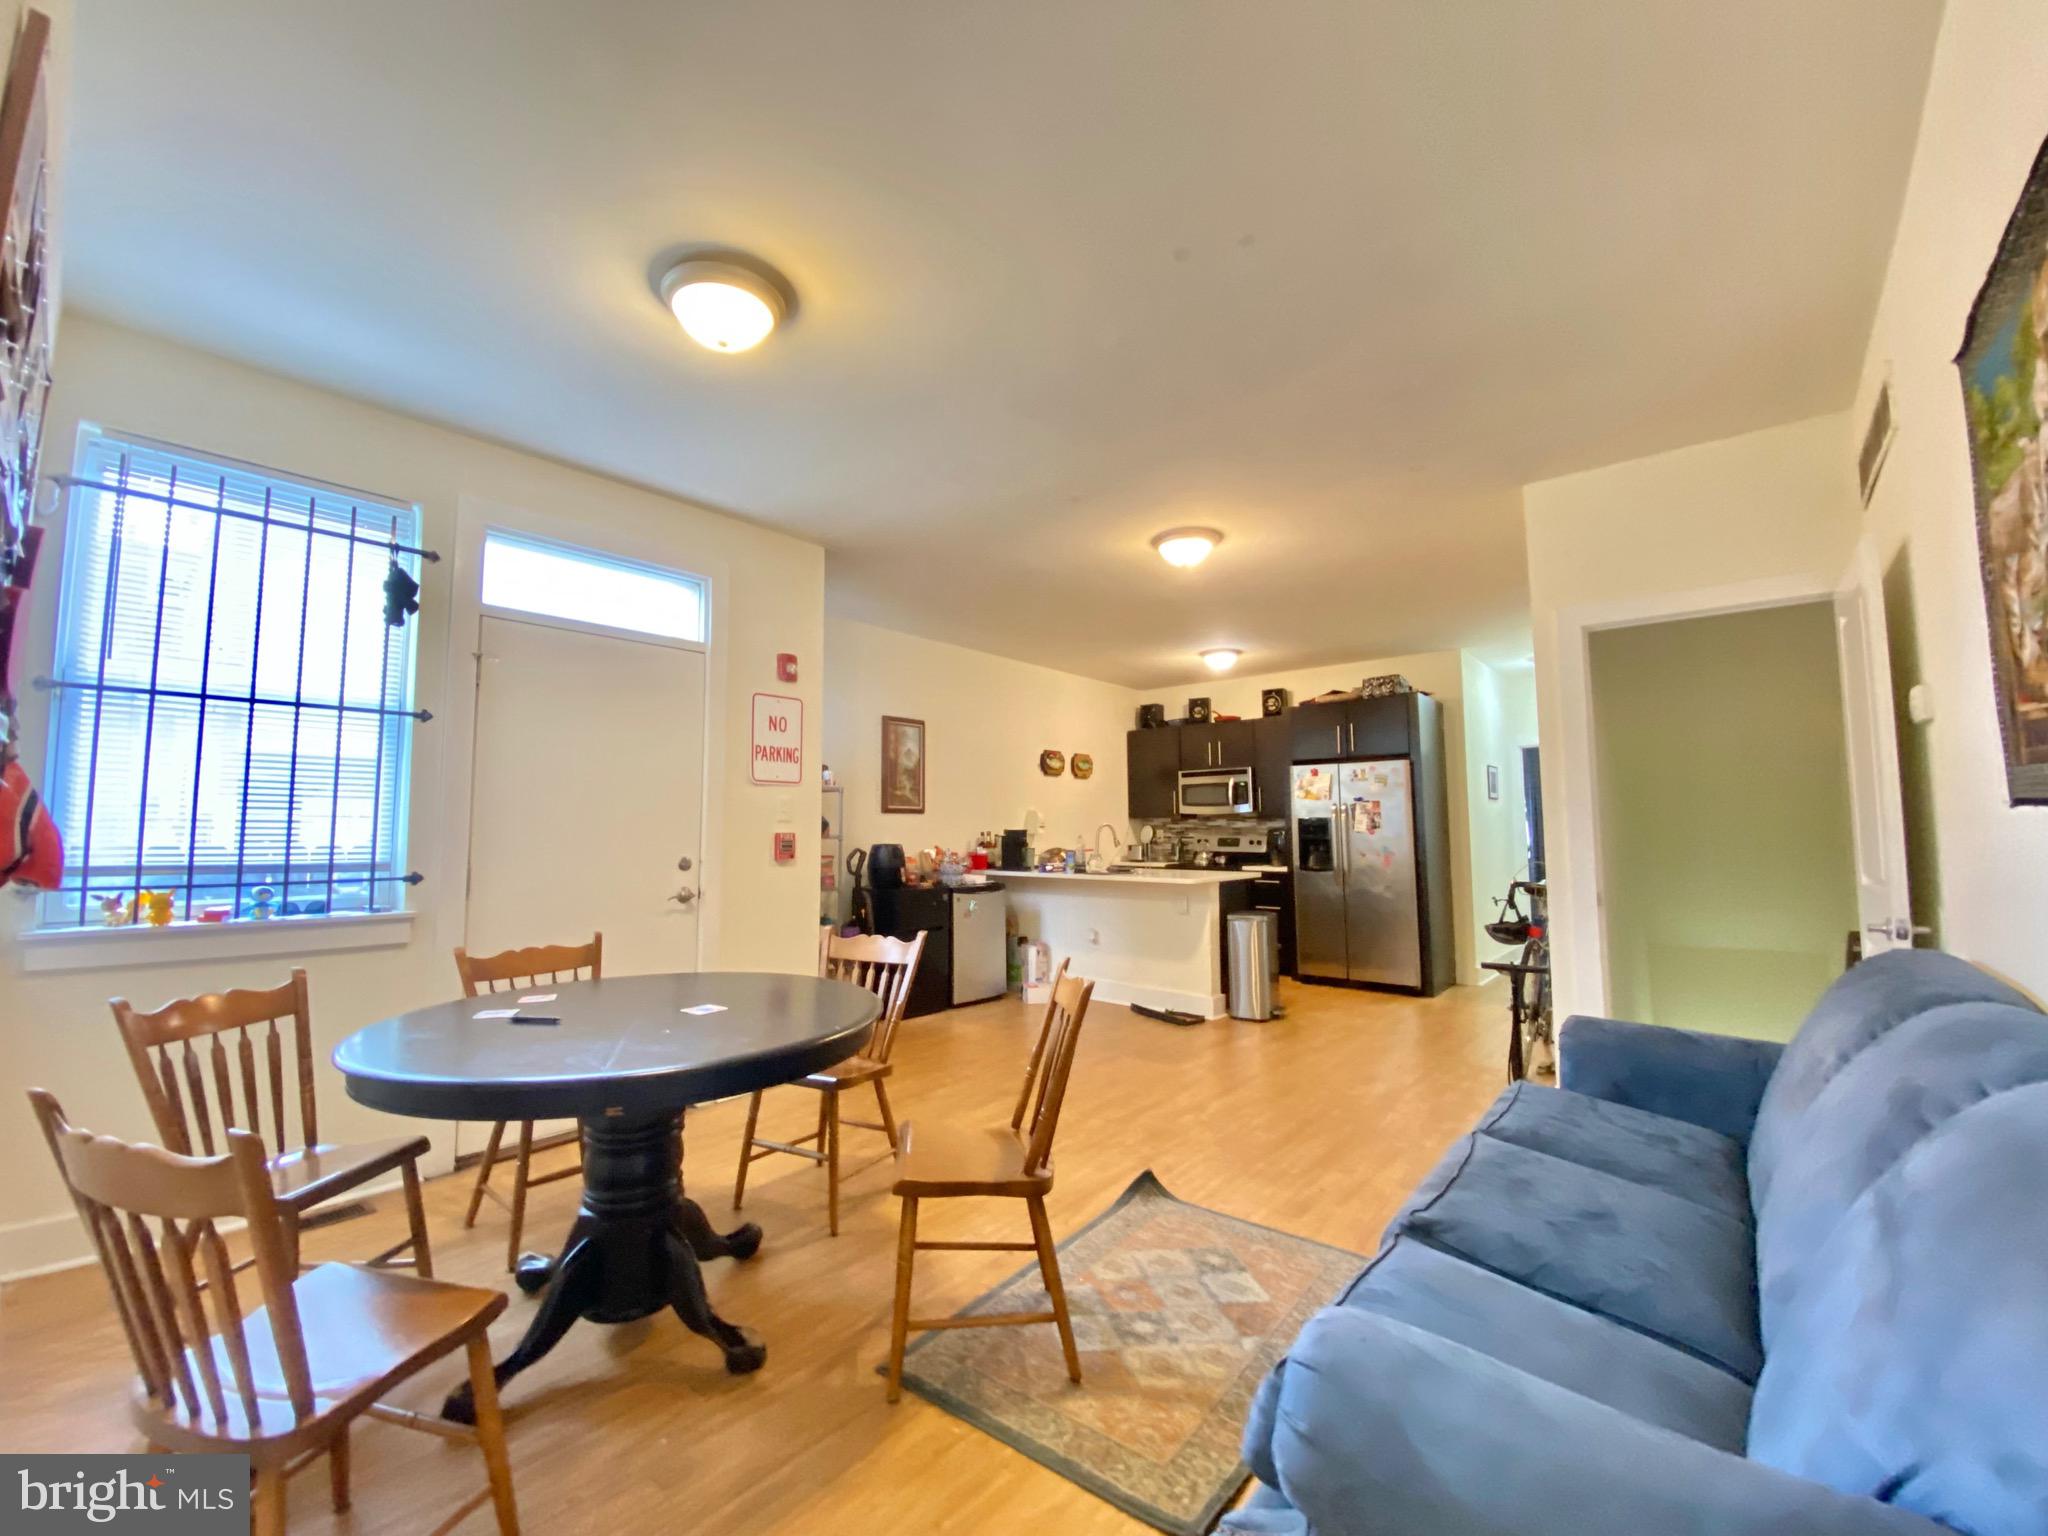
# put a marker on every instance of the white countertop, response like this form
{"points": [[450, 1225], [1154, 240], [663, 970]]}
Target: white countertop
{"points": [[1133, 877]]}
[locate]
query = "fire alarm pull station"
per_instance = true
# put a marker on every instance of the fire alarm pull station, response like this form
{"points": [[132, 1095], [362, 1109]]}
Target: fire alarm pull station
{"points": [[785, 667], [785, 847]]}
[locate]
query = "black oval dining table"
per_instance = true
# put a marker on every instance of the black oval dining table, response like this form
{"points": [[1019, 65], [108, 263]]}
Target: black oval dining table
{"points": [[625, 1057]]}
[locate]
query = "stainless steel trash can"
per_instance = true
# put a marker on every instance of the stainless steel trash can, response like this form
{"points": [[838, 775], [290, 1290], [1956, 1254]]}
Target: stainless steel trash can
{"points": [[1254, 945]]}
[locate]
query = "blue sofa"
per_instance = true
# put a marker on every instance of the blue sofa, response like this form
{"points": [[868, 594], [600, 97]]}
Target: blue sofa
{"points": [[1708, 1285]]}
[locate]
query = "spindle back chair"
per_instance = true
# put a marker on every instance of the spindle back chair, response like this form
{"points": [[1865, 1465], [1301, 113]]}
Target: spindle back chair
{"points": [[517, 970], [242, 1060], [1010, 1162], [888, 968], [280, 1374]]}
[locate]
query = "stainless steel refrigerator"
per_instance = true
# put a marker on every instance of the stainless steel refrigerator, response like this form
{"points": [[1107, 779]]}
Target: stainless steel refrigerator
{"points": [[1359, 902]]}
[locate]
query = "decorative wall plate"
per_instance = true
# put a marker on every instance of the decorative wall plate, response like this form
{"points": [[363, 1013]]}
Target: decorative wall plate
{"points": [[1052, 764], [1083, 765]]}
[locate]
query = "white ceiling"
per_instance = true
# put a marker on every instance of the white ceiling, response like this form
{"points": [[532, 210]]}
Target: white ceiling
{"points": [[1337, 276]]}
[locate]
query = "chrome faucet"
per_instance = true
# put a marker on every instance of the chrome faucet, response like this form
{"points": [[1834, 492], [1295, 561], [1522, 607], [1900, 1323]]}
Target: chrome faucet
{"points": [[1115, 841]]}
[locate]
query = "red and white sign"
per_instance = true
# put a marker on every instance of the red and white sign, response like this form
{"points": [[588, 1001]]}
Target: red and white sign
{"points": [[778, 751]]}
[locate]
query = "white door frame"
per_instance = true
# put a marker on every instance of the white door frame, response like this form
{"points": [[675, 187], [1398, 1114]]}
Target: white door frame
{"points": [[474, 517], [1582, 982]]}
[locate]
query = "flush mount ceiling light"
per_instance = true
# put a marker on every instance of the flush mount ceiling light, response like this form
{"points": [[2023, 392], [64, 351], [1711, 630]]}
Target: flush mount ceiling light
{"points": [[723, 306], [1186, 547], [1221, 658]]}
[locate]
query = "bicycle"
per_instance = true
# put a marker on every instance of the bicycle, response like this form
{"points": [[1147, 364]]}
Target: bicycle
{"points": [[1532, 1043]]}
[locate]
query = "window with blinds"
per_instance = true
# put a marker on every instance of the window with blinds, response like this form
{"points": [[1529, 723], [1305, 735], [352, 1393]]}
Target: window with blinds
{"points": [[232, 713]]}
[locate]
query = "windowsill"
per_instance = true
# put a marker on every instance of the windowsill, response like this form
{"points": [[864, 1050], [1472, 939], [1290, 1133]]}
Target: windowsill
{"points": [[85, 949]]}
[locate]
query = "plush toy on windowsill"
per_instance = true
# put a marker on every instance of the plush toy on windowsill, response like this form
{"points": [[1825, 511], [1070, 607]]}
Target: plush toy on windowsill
{"points": [[31, 853]]}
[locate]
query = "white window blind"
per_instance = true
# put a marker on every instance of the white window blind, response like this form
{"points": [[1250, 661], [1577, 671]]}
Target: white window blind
{"points": [[233, 714]]}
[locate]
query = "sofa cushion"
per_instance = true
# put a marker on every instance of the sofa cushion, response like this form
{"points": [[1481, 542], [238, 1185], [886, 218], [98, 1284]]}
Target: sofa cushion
{"points": [[1652, 1261], [1872, 1113], [1911, 1364], [1672, 1155], [1580, 1350], [1865, 1002]]}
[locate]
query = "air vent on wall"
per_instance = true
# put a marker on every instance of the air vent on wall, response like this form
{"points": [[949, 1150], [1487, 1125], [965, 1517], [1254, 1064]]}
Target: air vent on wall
{"points": [[1877, 441]]}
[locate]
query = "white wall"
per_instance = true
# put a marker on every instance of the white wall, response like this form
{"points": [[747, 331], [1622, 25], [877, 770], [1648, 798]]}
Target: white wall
{"points": [[1500, 720], [1771, 509], [1984, 120], [767, 596], [1477, 868], [986, 720]]}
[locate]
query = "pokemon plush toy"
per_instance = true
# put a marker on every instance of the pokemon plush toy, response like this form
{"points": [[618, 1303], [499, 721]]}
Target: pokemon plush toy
{"points": [[31, 853]]}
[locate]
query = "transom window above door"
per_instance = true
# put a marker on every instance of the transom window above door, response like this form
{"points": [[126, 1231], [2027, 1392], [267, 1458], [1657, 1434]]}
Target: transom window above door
{"points": [[529, 575], [232, 714]]}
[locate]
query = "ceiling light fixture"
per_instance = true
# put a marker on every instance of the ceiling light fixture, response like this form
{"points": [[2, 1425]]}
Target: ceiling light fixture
{"points": [[1221, 658], [723, 306], [1186, 547]]}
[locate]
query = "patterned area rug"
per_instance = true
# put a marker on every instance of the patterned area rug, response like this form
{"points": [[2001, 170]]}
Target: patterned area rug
{"points": [[1179, 1312]]}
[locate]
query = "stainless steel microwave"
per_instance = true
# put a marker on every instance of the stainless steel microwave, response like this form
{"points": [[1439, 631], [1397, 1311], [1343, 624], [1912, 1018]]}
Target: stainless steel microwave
{"points": [[1215, 792]]}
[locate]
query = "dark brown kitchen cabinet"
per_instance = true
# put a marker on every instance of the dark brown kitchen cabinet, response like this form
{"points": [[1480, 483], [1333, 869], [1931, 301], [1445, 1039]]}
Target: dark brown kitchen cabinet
{"points": [[1154, 761], [1221, 744], [1272, 765], [1317, 731], [1355, 728]]}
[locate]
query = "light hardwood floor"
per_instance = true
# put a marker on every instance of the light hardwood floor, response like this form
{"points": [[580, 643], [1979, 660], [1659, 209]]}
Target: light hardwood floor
{"points": [[1319, 1124]]}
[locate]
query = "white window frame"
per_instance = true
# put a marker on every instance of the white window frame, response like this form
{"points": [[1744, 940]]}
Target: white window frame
{"points": [[68, 944]]}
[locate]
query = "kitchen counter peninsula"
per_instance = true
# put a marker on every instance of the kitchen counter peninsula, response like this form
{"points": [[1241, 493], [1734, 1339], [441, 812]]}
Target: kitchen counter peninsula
{"points": [[1152, 936]]}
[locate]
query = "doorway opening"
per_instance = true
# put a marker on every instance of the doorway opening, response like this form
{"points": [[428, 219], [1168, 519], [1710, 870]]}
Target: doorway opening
{"points": [[1727, 847]]}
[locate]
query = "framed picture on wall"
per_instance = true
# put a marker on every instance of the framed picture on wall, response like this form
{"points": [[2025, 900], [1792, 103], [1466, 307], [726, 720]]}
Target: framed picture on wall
{"points": [[2004, 367], [902, 765]]}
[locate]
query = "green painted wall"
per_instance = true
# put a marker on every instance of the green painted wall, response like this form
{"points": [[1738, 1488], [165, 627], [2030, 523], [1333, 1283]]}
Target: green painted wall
{"points": [[1728, 874]]}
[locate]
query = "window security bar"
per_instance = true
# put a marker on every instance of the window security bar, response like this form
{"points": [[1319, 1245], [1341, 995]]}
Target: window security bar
{"points": [[258, 867], [158, 498], [258, 701]]}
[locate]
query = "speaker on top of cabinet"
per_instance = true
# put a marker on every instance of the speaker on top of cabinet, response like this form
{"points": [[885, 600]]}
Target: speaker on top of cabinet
{"points": [[1151, 716], [1198, 711], [1273, 701]]}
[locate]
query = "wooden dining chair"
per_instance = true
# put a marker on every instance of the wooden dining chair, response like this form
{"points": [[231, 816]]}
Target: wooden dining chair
{"points": [[885, 967], [1011, 1162], [516, 970], [283, 1381], [217, 1063]]}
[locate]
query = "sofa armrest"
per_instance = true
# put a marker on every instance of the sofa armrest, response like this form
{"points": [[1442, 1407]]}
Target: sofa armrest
{"points": [[1712, 1080], [1386, 1430]]}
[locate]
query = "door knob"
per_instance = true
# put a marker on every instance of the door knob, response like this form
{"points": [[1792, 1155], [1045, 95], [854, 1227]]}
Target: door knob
{"points": [[684, 897], [683, 863], [1899, 930]]}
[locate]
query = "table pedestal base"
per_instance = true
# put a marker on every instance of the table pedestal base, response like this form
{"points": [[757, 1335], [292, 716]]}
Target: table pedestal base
{"points": [[633, 1251]]}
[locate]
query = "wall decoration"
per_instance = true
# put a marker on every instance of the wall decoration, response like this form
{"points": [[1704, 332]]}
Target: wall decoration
{"points": [[1052, 764], [1082, 765], [31, 852], [902, 765], [2004, 369]]}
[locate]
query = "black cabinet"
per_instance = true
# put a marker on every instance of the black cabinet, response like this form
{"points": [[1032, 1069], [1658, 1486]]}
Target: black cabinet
{"points": [[1317, 731], [1154, 760], [1275, 894], [903, 912], [1381, 727], [1221, 744], [1272, 765], [1355, 728]]}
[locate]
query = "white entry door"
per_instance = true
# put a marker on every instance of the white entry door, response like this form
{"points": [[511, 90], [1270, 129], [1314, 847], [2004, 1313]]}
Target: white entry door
{"points": [[1868, 722], [587, 795]]}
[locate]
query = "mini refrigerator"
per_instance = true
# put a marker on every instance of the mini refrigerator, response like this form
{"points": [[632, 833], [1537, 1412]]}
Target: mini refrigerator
{"points": [[965, 958]]}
